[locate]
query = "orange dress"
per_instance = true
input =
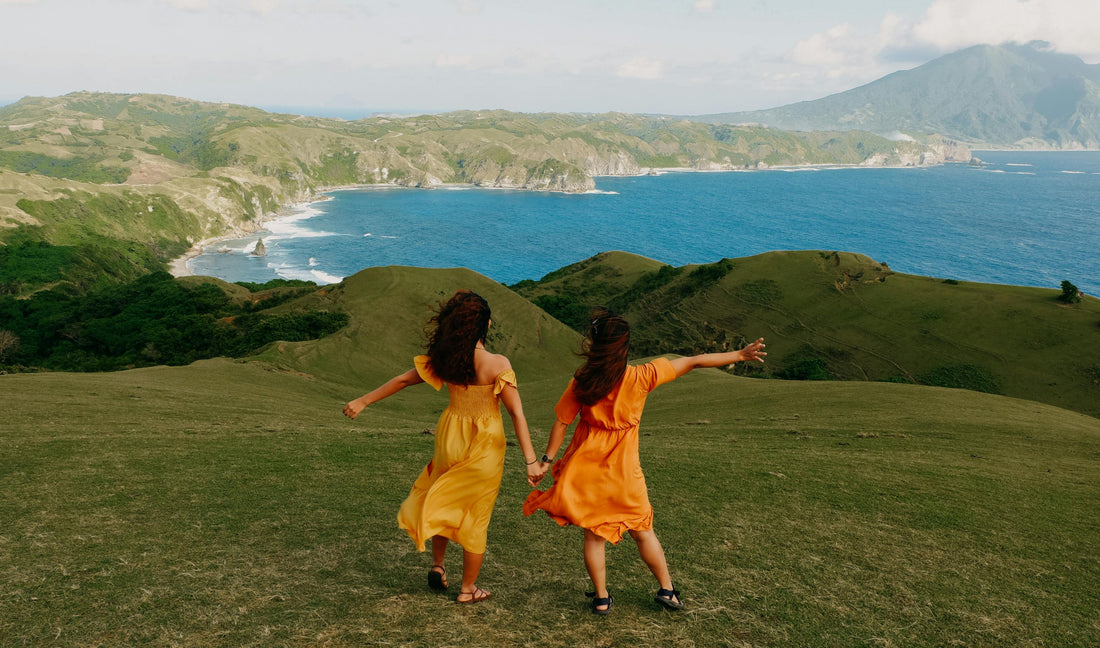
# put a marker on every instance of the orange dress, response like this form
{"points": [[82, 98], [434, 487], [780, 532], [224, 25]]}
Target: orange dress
{"points": [[598, 484], [454, 495]]}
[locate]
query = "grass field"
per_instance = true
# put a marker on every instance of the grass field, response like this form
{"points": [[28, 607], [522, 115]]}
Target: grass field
{"points": [[229, 504]]}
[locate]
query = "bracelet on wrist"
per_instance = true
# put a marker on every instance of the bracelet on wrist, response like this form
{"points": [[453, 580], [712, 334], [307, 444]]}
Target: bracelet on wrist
{"points": [[532, 461]]}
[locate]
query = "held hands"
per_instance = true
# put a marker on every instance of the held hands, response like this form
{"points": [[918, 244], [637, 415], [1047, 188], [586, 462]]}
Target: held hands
{"points": [[754, 351], [352, 409], [535, 472]]}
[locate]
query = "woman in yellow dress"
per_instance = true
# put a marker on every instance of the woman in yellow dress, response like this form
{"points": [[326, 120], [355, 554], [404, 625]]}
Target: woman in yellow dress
{"points": [[454, 496], [598, 484]]}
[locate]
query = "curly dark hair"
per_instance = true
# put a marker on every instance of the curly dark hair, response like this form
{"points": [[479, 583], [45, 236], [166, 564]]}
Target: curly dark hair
{"points": [[605, 350], [453, 332]]}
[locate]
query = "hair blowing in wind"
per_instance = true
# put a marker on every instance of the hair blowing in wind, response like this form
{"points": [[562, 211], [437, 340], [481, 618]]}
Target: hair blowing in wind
{"points": [[462, 321], [605, 349]]}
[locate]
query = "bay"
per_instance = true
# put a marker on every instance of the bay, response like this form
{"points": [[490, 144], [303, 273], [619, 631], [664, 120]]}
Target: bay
{"points": [[1022, 218]]}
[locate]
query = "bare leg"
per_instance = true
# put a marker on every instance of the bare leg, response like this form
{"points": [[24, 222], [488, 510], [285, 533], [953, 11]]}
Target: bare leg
{"points": [[595, 560], [649, 548], [471, 567], [439, 554]]}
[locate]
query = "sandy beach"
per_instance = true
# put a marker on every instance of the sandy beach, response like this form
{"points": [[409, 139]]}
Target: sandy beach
{"points": [[179, 267]]}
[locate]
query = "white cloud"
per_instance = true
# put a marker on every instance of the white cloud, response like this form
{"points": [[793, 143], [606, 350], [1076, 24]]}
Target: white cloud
{"points": [[264, 7], [469, 7], [641, 68], [1072, 26], [189, 5], [703, 6], [453, 60], [842, 55]]}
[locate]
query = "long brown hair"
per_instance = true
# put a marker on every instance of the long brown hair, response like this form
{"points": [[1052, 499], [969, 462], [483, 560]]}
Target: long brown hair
{"points": [[454, 331], [605, 350]]}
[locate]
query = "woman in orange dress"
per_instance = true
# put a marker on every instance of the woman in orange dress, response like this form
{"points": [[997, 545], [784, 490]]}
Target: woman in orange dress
{"points": [[453, 497], [598, 484]]}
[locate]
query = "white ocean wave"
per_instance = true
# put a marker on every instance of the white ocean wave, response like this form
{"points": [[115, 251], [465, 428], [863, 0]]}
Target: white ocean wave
{"points": [[1021, 164], [290, 271], [312, 262], [323, 277], [1074, 172], [224, 248], [601, 192], [291, 225]]}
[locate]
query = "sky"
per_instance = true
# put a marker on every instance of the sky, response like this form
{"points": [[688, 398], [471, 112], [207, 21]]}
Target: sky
{"points": [[355, 57]]}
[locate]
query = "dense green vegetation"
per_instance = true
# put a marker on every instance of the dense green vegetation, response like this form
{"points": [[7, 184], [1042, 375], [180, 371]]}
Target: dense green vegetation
{"points": [[195, 149], [153, 220], [28, 263], [153, 320], [77, 168]]}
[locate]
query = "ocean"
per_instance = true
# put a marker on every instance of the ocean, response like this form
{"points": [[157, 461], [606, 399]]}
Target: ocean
{"points": [[1022, 218]]}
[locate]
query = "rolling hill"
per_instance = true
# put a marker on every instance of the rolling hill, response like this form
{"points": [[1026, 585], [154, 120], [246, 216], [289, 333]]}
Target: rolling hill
{"points": [[842, 316], [997, 96]]}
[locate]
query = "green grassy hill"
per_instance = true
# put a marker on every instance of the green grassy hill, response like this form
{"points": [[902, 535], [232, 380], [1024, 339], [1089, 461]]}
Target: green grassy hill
{"points": [[830, 315], [388, 309], [228, 503]]}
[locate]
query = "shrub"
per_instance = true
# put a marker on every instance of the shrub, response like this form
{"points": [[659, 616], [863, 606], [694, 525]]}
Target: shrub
{"points": [[805, 363], [962, 376], [276, 283], [1070, 293], [567, 309]]}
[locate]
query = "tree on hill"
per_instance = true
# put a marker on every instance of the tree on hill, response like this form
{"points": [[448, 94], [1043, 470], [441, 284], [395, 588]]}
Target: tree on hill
{"points": [[1070, 293]]}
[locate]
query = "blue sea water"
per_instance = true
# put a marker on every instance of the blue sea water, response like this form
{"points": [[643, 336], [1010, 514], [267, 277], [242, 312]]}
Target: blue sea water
{"points": [[1023, 218]]}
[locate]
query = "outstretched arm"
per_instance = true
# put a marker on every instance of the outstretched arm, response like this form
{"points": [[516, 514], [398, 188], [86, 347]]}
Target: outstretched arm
{"points": [[753, 351], [392, 386], [510, 397]]}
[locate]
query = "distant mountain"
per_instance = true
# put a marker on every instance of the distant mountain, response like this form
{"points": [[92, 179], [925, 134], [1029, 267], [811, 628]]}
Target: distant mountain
{"points": [[1009, 95]]}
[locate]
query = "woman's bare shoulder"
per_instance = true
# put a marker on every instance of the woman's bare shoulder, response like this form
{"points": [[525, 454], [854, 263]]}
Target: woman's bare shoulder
{"points": [[497, 362]]}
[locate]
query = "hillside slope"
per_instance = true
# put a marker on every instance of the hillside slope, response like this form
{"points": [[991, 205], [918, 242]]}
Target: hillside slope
{"points": [[836, 315], [389, 308], [1008, 95]]}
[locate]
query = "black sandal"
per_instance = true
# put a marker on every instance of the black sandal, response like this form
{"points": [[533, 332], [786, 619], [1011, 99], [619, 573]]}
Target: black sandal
{"points": [[435, 578], [669, 598], [597, 602]]}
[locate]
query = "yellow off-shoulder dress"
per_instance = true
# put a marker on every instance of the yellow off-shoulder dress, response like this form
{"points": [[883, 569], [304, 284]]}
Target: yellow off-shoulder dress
{"points": [[454, 495]]}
